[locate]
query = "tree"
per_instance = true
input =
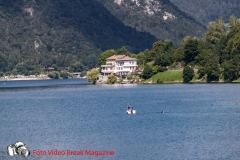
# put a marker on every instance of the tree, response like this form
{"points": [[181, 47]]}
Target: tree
{"points": [[155, 69], [82, 74], [230, 72], [215, 30], [236, 43], [54, 75], [157, 48], [163, 59], [64, 74], [212, 68], [190, 49], [233, 22], [141, 58], [129, 77], [201, 72], [123, 51], [147, 72], [104, 55], [55, 67], [3, 63], [178, 55], [188, 74], [22, 68], [1, 74], [76, 67], [111, 79], [92, 75]]}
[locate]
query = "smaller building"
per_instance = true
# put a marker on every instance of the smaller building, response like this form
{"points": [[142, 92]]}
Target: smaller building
{"points": [[119, 65]]}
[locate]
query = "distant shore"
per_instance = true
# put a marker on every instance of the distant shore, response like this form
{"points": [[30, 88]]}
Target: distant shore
{"points": [[28, 78]]}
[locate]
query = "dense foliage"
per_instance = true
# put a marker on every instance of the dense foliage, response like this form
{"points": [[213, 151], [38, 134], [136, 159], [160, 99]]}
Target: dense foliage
{"points": [[111, 79], [214, 58], [188, 74], [92, 76]]}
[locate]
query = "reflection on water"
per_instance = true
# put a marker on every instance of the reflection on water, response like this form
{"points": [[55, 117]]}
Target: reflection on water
{"points": [[40, 83]]}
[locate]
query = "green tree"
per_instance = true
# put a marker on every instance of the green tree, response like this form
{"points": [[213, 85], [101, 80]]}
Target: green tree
{"points": [[129, 77], [215, 30], [155, 69], [188, 74], [111, 79], [236, 43], [178, 55], [147, 72], [141, 58], [190, 49], [55, 67], [3, 63], [201, 72], [202, 58], [158, 47], [92, 75], [212, 68], [64, 74], [233, 22], [14, 71], [1, 74], [54, 75], [163, 59], [83, 74], [123, 51], [104, 55], [22, 68], [76, 67], [230, 71]]}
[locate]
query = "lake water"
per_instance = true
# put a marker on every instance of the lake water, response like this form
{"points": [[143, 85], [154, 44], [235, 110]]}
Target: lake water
{"points": [[201, 121]]}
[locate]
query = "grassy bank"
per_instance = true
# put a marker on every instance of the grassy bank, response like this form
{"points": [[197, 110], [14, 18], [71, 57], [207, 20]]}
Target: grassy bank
{"points": [[167, 77]]}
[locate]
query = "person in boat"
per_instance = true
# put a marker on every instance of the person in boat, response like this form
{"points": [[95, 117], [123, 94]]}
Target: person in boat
{"points": [[128, 106], [132, 110]]}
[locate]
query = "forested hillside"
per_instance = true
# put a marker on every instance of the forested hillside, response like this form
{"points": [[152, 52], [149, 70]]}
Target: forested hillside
{"points": [[214, 58], [205, 11], [158, 17], [37, 34]]}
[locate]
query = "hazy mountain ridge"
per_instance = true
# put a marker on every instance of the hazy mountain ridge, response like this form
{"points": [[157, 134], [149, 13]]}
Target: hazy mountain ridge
{"points": [[205, 11], [158, 17]]}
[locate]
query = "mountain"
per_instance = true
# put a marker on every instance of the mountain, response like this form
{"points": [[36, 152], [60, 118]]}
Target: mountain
{"points": [[157, 17], [63, 33], [38, 34], [205, 11]]}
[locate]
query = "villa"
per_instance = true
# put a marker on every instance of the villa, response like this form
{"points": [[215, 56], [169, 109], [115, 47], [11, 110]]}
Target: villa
{"points": [[119, 65]]}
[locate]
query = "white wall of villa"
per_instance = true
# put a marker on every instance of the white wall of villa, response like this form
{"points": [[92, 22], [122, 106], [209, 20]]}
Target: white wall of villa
{"points": [[119, 65]]}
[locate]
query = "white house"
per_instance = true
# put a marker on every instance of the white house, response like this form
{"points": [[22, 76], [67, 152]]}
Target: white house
{"points": [[119, 65]]}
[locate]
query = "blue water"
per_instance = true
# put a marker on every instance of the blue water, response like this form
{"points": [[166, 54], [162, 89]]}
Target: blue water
{"points": [[201, 121]]}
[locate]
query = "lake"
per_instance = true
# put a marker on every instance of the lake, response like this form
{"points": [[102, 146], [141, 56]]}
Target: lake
{"points": [[200, 121]]}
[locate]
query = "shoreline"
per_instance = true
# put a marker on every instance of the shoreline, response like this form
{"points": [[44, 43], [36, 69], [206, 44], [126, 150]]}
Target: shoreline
{"points": [[19, 79], [31, 78]]}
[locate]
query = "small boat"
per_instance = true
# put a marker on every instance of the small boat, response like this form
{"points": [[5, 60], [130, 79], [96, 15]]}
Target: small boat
{"points": [[131, 111]]}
